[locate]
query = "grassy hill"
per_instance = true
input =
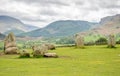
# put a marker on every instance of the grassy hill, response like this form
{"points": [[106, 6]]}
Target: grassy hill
{"points": [[61, 28]]}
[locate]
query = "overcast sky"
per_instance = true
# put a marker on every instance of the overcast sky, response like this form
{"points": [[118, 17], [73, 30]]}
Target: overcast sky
{"points": [[42, 12]]}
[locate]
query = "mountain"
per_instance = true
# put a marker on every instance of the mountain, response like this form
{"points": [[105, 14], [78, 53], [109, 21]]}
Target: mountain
{"points": [[107, 25], [2, 36], [10, 24], [61, 28], [30, 27], [15, 31]]}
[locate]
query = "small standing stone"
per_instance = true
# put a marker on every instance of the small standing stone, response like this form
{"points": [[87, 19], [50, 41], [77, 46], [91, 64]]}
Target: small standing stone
{"points": [[24, 54]]}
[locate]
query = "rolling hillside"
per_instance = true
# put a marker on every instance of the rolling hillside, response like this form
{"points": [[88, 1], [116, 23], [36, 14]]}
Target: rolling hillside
{"points": [[61, 28]]}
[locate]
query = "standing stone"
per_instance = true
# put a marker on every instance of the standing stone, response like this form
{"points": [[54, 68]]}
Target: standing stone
{"points": [[50, 46], [24, 54], [39, 50], [10, 44], [111, 41], [42, 51], [79, 40]]}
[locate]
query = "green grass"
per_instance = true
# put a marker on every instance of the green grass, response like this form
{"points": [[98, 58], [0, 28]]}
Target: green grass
{"points": [[91, 61]]}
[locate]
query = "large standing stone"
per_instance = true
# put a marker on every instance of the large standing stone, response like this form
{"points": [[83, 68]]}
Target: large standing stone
{"points": [[111, 41], [10, 44], [79, 40]]}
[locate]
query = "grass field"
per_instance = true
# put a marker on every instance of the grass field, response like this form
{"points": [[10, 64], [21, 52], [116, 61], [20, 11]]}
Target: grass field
{"points": [[91, 61]]}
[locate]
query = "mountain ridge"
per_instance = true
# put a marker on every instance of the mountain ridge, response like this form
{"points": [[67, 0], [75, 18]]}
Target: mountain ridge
{"points": [[107, 25], [8, 23], [61, 28]]}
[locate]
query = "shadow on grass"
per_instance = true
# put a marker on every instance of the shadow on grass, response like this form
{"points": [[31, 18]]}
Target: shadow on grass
{"points": [[110, 47], [79, 47], [35, 57]]}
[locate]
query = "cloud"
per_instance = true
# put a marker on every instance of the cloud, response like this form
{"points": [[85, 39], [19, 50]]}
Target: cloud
{"points": [[47, 12], [45, 2], [109, 4], [43, 12]]}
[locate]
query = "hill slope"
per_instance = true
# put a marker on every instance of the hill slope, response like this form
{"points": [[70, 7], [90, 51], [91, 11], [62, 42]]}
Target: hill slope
{"points": [[2, 36], [107, 25], [10, 24], [61, 28]]}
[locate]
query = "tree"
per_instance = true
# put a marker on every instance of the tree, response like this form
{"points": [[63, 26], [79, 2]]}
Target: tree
{"points": [[101, 41], [118, 42], [66, 40]]}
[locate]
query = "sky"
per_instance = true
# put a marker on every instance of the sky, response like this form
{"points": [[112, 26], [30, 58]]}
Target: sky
{"points": [[42, 12]]}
